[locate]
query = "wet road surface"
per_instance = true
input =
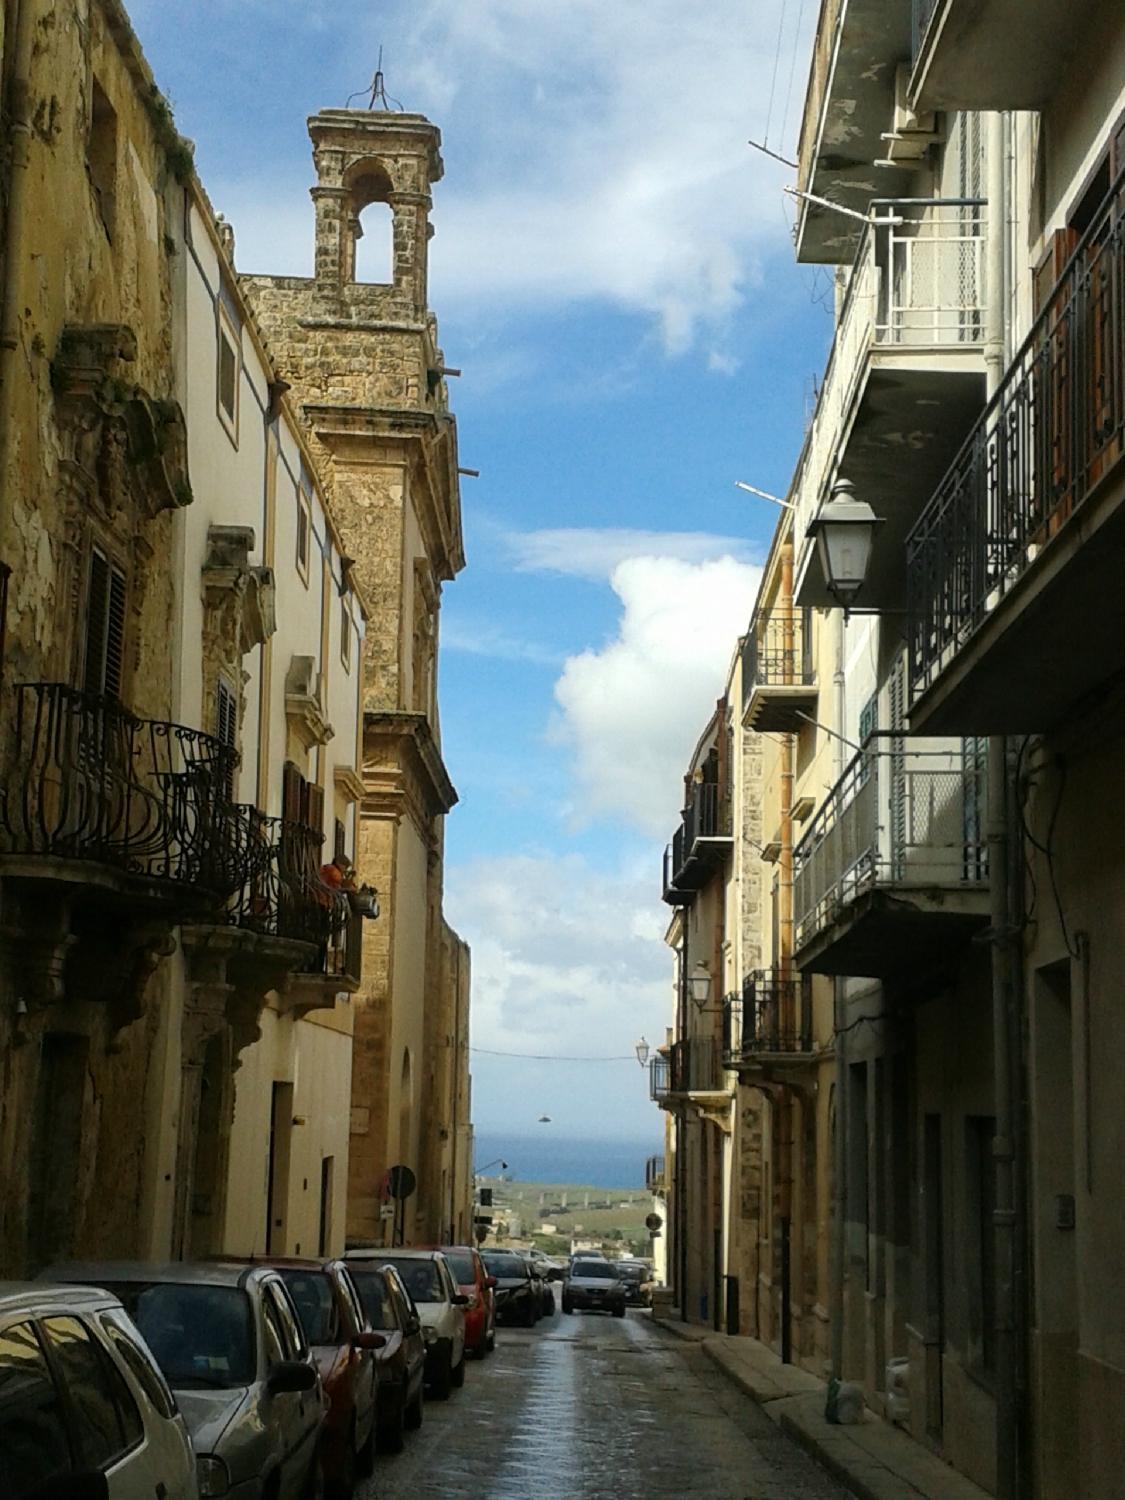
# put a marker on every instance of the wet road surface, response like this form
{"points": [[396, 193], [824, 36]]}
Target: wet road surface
{"points": [[596, 1408]]}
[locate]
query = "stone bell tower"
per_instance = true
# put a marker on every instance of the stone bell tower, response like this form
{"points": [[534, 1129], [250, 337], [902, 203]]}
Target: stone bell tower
{"points": [[364, 366]]}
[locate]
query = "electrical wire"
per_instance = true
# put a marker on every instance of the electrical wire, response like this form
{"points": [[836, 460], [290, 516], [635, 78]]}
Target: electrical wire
{"points": [[776, 60], [792, 72], [859, 1021], [552, 1057]]}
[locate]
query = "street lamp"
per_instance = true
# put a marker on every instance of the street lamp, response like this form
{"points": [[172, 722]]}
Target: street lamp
{"points": [[844, 528], [642, 1049], [699, 986], [495, 1162]]}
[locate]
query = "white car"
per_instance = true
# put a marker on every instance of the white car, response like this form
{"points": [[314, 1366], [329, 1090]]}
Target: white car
{"points": [[433, 1287], [82, 1399]]}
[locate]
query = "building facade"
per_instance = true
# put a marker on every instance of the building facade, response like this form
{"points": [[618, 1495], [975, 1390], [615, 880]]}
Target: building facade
{"points": [[368, 375]]}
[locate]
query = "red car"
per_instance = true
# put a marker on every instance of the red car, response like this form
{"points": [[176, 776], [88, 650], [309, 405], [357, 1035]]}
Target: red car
{"points": [[344, 1347], [474, 1282]]}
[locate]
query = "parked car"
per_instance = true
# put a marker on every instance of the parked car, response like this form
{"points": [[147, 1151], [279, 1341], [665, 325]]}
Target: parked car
{"points": [[475, 1283], [636, 1276], [229, 1342], [549, 1268], [544, 1296], [402, 1360], [517, 1300], [81, 1394], [441, 1308], [344, 1347], [593, 1286]]}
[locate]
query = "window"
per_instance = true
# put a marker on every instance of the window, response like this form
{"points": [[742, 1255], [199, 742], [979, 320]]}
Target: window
{"points": [[200, 1336], [229, 364], [104, 654], [289, 1321], [345, 635], [304, 530], [33, 1438], [107, 1420], [101, 155], [351, 1296], [275, 1340], [226, 727], [312, 1293], [140, 1366], [378, 1303], [339, 841]]}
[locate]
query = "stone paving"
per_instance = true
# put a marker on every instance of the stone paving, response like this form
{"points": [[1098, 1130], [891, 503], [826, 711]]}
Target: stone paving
{"points": [[593, 1408]]}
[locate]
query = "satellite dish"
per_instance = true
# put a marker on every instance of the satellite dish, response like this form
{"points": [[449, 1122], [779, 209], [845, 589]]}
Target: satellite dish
{"points": [[544, 1119]]}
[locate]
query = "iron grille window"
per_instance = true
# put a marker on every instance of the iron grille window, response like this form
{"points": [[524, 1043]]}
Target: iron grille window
{"points": [[104, 655]]}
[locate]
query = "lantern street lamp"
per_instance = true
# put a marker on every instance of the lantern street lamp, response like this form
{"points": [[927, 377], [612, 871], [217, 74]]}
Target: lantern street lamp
{"points": [[844, 528], [642, 1049], [699, 986]]}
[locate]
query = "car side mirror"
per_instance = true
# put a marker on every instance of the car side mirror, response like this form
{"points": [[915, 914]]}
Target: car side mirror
{"points": [[370, 1341], [460, 1300], [413, 1323], [490, 1283], [290, 1375]]}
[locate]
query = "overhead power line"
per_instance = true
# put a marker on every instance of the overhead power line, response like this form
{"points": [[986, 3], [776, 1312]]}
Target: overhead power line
{"points": [[552, 1056]]}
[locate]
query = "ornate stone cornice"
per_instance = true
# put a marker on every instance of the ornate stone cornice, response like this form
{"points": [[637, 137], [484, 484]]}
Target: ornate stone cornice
{"points": [[304, 702], [401, 759], [349, 783]]}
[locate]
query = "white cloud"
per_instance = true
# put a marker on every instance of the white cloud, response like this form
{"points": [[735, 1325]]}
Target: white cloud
{"points": [[474, 639], [594, 552], [597, 154], [633, 709]]}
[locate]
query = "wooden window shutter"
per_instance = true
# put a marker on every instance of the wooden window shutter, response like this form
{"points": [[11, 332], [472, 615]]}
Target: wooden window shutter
{"points": [[340, 841], [293, 794], [1047, 272], [226, 714], [315, 807], [104, 663]]}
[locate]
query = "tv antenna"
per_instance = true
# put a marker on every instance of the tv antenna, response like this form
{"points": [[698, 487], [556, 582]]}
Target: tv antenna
{"points": [[376, 92]]}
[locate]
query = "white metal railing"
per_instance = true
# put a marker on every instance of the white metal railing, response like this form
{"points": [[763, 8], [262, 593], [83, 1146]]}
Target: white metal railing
{"points": [[906, 812], [917, 282]]}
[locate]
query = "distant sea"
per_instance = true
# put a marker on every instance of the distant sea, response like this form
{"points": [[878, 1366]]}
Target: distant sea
{"points": [[565, 1159]]}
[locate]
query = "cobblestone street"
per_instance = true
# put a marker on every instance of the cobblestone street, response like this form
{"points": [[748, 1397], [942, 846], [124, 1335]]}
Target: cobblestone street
{"points": [[593, 1408]]}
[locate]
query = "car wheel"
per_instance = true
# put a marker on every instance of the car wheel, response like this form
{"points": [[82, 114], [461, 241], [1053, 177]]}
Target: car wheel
{"points": [[442, 1382], [414, 1412], [618, 1312], [457, 1374], [391, 1437], [549, 1304], [365, 1458], [530, 1316], [567, 1307]]}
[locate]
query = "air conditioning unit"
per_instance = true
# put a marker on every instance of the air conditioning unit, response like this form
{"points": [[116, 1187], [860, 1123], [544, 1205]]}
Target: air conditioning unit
{"points": [[912, 134]]}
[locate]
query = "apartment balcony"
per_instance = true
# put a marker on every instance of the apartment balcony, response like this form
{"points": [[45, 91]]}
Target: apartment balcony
{"points": [[136, 812], [1017, 612], [691, 1073], [904, 383], [891, 877], [699, 846], [660, 1079], [654, 1176], [778, 681], [767, 1030], [849, 108], [994, 54]]}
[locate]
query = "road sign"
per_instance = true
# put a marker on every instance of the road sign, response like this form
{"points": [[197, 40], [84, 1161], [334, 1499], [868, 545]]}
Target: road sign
{"points": [[386, 1210], [654, 1222], [401, 1182]]}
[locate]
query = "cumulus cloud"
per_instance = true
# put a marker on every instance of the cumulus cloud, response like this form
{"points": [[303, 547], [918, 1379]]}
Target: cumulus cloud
{"points": [[597, 154], [633, 709], [594, 552]]}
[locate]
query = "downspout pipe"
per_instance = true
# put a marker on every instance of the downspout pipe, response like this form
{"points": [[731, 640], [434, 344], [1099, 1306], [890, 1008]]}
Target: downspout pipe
{"points": [[839, 1008], [1002, 926], [15, 217]]}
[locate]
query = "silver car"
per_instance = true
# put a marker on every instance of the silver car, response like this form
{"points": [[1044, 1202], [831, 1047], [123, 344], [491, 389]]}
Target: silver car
{"points": [[230, 1344], [427, 1276], [80, 1395]]}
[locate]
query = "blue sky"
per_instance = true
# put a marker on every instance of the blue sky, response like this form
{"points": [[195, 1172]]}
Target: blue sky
{"points": [[613, 273]]}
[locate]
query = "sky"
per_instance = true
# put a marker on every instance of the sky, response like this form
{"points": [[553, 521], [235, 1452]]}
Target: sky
{"points": [[613, 272]]}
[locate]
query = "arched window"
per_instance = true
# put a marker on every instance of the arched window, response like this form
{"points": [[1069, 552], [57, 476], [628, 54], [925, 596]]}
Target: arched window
{"points": [[372, 223]]}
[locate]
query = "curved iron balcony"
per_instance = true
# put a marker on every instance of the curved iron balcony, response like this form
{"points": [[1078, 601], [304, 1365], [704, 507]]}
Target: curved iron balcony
{"points": [[770, 1020], [88, 781]]}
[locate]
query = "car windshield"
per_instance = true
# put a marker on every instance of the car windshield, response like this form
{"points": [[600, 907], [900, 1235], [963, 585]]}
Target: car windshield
{"points": [[420, 1277], [461, 1264], [201, 1335], [312, 1292], [599, 1269], [375, 1298], [504, 1263]]}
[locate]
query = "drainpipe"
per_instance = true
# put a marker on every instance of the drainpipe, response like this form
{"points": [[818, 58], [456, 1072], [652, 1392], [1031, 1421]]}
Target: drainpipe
{"points": [[784, 958], [1003, 955], [839, 1012], [19, 137]]}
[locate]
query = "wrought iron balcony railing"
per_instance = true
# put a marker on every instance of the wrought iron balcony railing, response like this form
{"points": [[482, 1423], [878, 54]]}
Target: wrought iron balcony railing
{"points": [[917, 282], [283, 894], [698, 844], [659, 1078], [1050, 434], [697, 1066], [777, 651], [772, 1016], [654, 1174], [903, 814], [87, 780]]}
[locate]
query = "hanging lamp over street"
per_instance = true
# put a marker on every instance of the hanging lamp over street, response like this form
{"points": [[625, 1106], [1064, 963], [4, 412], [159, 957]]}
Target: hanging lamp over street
{"points": [[844, 529]]}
